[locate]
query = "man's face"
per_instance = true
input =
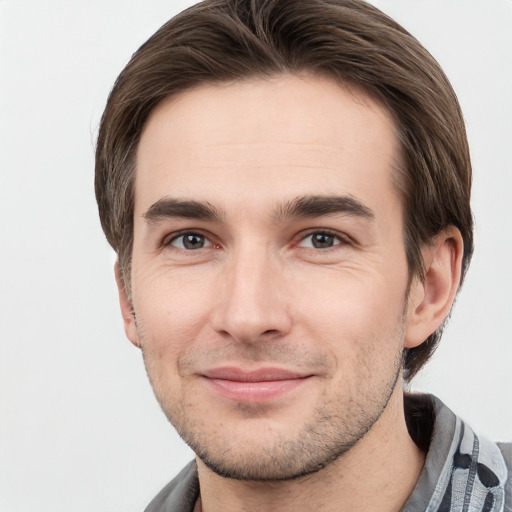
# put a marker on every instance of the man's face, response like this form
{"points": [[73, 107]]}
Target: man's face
{"points": [[269, 274]]}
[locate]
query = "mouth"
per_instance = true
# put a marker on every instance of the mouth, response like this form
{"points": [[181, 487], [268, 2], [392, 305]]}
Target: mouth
{"points": [[253, 386]]}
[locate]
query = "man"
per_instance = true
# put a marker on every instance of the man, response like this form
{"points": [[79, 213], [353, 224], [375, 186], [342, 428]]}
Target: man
{"points": [[286, 184]]}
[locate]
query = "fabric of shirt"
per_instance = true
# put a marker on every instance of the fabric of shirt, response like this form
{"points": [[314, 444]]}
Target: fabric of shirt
{"points": [[463, 472]]}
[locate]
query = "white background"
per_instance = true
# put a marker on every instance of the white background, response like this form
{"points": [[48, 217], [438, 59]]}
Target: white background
{"points": [[80, 429]]}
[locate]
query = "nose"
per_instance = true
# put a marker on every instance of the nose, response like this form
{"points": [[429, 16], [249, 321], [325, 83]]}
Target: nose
{"points": [[252, 304]]}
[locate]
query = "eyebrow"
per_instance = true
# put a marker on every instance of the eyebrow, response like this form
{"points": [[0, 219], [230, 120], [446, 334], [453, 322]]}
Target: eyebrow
{"points": [[316, 206], [301, 207], [168, 207]]}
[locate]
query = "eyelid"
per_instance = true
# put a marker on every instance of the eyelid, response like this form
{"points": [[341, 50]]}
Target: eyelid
{"points": [[342, 238], [171, 237]]}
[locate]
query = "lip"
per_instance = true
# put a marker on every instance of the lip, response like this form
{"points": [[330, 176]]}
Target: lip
{"points": [[258, 385]]}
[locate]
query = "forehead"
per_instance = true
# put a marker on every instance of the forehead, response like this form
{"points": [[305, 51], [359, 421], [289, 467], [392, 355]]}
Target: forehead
{"points": [[263, 140]]}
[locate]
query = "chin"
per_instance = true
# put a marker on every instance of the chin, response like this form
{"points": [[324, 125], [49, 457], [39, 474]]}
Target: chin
{"points": [[270, 451], [266, 467]]}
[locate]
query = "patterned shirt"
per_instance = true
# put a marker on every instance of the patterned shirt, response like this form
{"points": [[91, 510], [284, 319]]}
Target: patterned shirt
{"points": [[463, 472]]}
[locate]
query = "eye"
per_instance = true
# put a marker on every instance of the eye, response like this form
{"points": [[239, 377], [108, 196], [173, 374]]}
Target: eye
{"points": [[321, 240], [189, 241]]}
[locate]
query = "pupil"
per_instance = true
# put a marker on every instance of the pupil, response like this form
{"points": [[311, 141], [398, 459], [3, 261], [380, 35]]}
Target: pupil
{"points": [[193, 241], [321, 241]]}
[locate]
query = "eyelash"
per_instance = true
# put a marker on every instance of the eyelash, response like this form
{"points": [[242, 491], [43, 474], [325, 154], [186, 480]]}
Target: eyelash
{"points": [[339, 237], [168, 240]]}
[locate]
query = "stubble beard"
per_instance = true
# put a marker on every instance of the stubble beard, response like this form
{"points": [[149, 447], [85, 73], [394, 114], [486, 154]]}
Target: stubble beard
{"points": [[331, 431], [322, 440]]}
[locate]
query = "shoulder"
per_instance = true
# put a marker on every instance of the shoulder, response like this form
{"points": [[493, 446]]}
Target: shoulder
{"points": [[461, 466], [506, 451], [180, 494]]}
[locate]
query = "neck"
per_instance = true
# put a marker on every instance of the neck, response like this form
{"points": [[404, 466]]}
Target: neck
{"points": [[377, 474]]}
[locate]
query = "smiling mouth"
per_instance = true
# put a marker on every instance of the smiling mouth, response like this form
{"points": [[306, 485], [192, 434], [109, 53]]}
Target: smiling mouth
{"points": [[253, 386]]}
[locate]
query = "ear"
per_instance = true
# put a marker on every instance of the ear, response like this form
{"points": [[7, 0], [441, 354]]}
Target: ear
{"points": [[431, 299], [130, 327]]}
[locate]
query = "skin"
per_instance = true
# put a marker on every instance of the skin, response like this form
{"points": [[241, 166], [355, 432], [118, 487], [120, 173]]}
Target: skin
{"points": [[242, 267]]}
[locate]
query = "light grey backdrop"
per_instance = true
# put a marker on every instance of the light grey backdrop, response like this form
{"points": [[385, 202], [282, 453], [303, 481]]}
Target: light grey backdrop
{"points": [[80, 429]]}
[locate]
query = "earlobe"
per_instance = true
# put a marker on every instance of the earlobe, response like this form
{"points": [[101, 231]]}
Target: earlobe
{"points": [[130, 327], [431, 299]]}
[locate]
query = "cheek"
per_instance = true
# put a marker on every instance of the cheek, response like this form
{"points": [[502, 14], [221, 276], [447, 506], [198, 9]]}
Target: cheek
{"points": [[362, 328], [171, 313], [352, 310], [353, 291], [169, 323]]}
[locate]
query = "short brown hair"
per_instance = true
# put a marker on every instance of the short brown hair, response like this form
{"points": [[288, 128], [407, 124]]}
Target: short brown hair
{"points": [[347, 40]]}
